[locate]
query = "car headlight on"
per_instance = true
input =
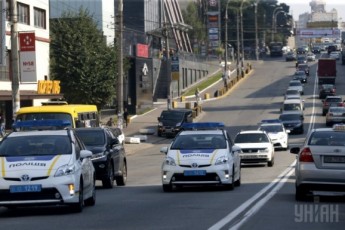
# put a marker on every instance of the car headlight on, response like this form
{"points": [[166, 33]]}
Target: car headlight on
{"points": [[65, 170], [178, 124], [222, 160], [160, 124], [264, 150], [169, 161]]}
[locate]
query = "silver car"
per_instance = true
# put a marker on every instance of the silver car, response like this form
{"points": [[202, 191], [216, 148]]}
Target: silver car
{"points": [[320, 167], [335, 115]]}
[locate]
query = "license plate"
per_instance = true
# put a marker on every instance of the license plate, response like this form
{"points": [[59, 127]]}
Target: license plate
{"points": [[168, 130], [25, 188], [334, 159], [194, 172], [249, 156]]}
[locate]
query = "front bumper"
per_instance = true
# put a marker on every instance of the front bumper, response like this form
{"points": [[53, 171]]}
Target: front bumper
{"points": [[212, 175]]}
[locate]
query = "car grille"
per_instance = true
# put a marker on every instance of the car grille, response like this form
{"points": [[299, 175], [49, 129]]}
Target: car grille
{"points": [[45, 194], [31, 179], [199, 166], [253, 150], [179, 177]]}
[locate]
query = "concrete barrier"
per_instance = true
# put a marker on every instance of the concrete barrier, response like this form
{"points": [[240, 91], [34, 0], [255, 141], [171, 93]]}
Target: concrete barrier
{"points": [[188, 105], [183, 98], [174, 104], [207, 96]]}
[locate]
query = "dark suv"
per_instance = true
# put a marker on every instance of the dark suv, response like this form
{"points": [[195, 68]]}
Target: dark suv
{"points": [[170, 121], [108, 155]]}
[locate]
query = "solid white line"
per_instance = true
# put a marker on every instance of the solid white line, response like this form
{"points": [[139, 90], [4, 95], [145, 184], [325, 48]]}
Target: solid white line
{"points": [[264, 200], [249, 202]]}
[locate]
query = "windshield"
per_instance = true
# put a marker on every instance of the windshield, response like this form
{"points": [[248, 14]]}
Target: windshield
{"points": [[44, 116], [35, 146], [172, 116], [200, 141], [295, 84], [92, 137], [251, 138]]}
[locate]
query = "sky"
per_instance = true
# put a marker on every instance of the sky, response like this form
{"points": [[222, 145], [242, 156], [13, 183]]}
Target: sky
{"points": [[298, 7]]}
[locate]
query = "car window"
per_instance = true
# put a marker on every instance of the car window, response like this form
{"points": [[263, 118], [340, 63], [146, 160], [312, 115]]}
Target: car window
{"points": [[36, 146], [251, 138], [272, 128], [92, 137], [200, 141]]}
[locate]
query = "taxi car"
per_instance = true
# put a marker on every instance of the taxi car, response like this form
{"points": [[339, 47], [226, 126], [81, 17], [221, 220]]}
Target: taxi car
{"points": [[46, 167], [277, 132], [256, 147], [201, 155], [320, 167]]}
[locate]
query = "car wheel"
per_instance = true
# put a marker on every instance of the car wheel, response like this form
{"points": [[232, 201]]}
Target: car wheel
{"points": [[300, 194], [167, 187], [92, 200], [271, 162], [121, 180], [108, 180], [159, 133], [238, 182], [78, 207]]}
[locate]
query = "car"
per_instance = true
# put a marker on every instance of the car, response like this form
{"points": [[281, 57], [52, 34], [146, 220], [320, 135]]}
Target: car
{"points": [[256, 146], [331, 101], [311, 57], [294, 96], [46, 167], [316, 49], [301, 76], [290, 56], [170, 121], [320, 160], [335, 115], [331, 48], [201, 156], [292, 105], [108, 155], [335, 55], [277, 132], [304, 67], [292, 91], [293, 121], [302, 50], [327, 90], [301, 59], [296, 84]]}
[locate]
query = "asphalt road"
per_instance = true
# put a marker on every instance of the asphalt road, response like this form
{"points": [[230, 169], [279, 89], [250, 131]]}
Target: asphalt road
{"points": [[265, 200]]}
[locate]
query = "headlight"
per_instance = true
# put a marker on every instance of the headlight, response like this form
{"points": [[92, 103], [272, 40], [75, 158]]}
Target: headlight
{"points": [[222, 160], [178, 124], [65, 170], [169, 161], [160, 124], [264, 150]]}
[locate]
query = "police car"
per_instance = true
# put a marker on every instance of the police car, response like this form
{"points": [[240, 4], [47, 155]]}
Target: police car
{"points": [[48, 167], [277, 132], [201, 154]]}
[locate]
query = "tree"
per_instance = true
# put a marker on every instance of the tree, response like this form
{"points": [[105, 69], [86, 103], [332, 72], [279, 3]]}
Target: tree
{"points": [[81, 60]]}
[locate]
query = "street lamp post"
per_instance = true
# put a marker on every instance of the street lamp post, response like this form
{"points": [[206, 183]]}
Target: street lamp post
{"points": [[226, 38], [256, 30], [273, 15], [242, 45]]}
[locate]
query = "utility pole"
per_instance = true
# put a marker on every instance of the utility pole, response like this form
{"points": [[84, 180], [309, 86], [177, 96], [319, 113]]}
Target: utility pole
{"points": [[238, 42], [120, 66], [168, 67], [256, 30], [226, 38], [242, 45], [14, 58]]}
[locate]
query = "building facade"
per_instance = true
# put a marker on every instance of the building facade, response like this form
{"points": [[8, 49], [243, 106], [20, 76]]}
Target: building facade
{"points": [[33, 60]]}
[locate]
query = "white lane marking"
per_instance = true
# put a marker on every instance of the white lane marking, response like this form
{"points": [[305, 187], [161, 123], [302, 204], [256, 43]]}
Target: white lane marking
{"points": [[231, 216], [313, 113], [264, 200]]}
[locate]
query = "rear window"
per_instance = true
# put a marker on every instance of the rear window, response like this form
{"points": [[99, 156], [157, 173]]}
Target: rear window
{"points": [[328, 138], [251, 138]]}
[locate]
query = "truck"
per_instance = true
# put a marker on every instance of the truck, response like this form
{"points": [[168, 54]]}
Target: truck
{"points": [[276, 49], [327, 70]]}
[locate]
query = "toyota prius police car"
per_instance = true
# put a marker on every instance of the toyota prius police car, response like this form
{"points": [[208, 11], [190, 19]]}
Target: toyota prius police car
{"points": [[201, 154], [45, 167]]}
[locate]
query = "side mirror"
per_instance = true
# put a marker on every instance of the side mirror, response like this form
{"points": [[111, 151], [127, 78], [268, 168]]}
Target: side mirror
{"points": [[164, 150], [159, 118], [85, 153], [287, 131]]}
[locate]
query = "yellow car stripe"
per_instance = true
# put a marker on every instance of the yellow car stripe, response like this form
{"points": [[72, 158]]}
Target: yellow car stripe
{"points": [[213, 155], [52, 165], [3, 170]]}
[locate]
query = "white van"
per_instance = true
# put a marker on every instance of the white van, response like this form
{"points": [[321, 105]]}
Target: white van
{"points": [[292, 105]]}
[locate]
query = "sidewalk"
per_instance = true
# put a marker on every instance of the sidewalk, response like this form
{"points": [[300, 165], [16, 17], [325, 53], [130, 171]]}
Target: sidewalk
{"points": [[149, 119]]}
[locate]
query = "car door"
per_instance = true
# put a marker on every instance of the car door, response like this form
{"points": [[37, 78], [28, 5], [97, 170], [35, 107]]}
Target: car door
{"points": [[113, 146], [234, 154], [86, 165]]}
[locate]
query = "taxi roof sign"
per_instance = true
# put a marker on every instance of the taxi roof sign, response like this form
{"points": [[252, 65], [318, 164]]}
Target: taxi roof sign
{"points": [[203, 126], [339, 127]]}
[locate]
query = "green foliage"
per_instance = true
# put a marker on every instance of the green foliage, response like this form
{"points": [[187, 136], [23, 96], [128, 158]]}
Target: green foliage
{"points": [[81, 60], [192, 17]]}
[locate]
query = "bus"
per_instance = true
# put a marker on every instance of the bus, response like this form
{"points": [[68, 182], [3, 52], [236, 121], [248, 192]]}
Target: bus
{"points": [[78, 115]]}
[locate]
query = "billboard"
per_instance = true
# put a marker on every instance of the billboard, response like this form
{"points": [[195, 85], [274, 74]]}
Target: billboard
{"points": [[318, 33], [27, 57]]}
